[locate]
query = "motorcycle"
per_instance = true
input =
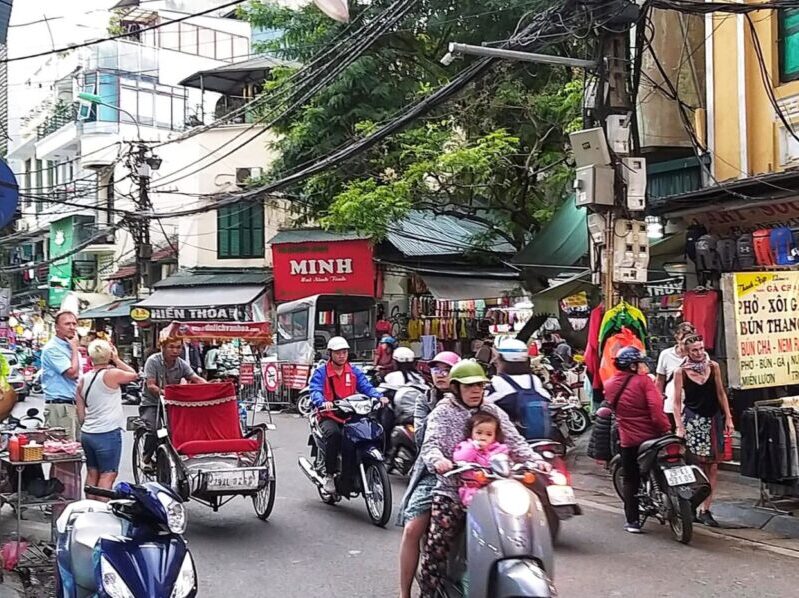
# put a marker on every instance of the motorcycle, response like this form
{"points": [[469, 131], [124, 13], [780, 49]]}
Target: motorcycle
{"points": [[304, 405], [575, 414], [36, 382], [361, 465], [402, 449], [130, 546], [670, 489], [505, 541], [131, 392], [556, 492]]}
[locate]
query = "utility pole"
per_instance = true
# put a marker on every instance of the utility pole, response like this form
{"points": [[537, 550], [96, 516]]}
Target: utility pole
{"points": [[140, 227]]}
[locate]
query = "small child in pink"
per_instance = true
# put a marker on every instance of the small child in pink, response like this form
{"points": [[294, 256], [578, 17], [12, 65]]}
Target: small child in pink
{"points": [[484, 441]]}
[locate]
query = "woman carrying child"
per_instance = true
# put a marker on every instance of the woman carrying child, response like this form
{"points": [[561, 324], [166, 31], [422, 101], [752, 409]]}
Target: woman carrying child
{"points": [[445, 431]]}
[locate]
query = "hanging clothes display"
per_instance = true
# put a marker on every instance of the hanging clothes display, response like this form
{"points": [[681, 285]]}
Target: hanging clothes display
{"points": [[592, 355], [614, 344], [700, 307], [622, 316], [769, 446]]}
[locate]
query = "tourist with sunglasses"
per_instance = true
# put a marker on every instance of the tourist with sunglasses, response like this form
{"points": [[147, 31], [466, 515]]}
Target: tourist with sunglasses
{"points": [[700, 397], [414, 513]]}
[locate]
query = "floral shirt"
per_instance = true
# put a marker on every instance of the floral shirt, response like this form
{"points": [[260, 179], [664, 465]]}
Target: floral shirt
{"points": [[446, 428]]}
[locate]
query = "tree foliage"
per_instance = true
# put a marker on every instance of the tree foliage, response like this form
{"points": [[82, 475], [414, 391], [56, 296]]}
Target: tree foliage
{"points": [[495, 154]]}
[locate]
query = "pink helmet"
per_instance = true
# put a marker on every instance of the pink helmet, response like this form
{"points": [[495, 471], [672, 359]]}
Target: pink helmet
{"points": [[447, 358]]}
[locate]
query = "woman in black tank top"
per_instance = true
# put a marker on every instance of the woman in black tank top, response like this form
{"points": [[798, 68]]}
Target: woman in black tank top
{"points": [[700, 397]]}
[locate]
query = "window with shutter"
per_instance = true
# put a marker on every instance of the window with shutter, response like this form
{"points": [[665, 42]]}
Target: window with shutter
{"points": [[789, 44], [240, 231]]}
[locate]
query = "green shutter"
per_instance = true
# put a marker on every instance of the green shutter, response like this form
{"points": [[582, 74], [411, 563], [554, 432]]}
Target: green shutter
{"points": [[222, 237], [240, 231], [789, 44]]}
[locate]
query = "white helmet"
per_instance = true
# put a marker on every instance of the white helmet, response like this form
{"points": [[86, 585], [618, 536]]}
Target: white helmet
{"points": [[513, 350], [337, 343], [403, 355]]}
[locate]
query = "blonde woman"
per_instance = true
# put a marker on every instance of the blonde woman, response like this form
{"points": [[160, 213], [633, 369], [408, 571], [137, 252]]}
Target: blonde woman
{"points": [[99, 405]]}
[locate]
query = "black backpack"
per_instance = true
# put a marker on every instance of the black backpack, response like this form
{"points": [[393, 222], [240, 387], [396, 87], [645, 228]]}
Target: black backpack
{"points": [[745, 251], [691, 236], [707, 257], [726, 248]]}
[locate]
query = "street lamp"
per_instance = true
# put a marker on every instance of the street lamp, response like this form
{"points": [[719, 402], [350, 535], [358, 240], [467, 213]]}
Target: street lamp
{"points": [[94, 99], [456, 49], [338, 10]]}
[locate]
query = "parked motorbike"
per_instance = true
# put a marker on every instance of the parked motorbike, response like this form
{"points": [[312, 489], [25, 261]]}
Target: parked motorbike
{"points": [[362, 470], [505, 541], [130, 546], [556, 492], [36, 382], [131, 392], [575, 414], [670, 489]]}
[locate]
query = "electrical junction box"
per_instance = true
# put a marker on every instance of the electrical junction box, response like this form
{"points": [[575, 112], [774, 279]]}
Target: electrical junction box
{"points": [[596, 228], [593, 186], [590, 147], [633, 172], [630, 251], [619, 134]]}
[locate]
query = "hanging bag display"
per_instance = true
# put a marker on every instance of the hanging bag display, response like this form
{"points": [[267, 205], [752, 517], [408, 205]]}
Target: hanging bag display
{"points": [[745, 252], [691, 236], [782, 247], [726, 250], [707, 257], [761, 240]]}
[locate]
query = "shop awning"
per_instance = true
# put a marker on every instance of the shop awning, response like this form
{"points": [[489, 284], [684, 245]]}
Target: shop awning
{"points": [[559, 245], [230, 78], [548, 300], [458, 288], [201, 297], [115, 309]]}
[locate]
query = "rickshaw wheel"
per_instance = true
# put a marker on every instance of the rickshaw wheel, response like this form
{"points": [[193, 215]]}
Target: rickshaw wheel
{"points": [[264, 500], [139, 475], [168, 473]]}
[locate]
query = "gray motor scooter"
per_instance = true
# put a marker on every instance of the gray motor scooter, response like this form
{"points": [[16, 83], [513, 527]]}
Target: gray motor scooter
{"points": [[506, 540]]}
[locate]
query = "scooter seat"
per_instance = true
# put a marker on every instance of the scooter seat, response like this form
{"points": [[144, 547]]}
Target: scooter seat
{"points": [[87, 529], [659, 442]]}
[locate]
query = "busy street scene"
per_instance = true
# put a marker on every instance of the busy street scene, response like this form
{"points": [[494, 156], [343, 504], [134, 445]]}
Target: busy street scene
{"points": [[399, 298]]}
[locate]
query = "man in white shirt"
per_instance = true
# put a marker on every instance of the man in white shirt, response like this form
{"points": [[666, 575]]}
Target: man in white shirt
{"points": [[668, 361]]}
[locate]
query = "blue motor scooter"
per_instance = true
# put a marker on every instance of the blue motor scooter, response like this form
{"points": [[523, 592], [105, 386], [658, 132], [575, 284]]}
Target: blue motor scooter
{"points": [[129, 547]]}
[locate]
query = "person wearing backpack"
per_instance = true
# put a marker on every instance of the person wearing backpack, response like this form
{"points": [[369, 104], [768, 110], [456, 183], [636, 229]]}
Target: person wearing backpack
{"points": [[515, 386], [638, 407]]}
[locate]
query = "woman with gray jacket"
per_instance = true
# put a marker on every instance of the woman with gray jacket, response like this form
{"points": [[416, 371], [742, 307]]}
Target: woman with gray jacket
{"points": [[414, 513]]}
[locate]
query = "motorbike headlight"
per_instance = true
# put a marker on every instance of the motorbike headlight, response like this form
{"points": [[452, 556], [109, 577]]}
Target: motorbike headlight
{"points": [[362, 407], [113, 584], [558, 478], [185, 582], [175, 513], [512, 497]]}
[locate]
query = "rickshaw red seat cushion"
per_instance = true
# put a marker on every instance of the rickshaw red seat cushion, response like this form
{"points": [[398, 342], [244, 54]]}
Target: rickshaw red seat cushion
{"points": [[204, 447], [204, 418]]}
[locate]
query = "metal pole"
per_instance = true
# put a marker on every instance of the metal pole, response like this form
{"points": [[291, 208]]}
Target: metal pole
{"points": [[468, 49], [142, 226]]}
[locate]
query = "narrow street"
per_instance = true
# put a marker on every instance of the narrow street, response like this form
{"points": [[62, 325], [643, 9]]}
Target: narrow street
{"points": [[308, 548]]}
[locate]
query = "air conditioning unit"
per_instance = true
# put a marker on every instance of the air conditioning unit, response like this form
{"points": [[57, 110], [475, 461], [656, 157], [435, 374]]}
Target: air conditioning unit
{"points": [[245, 175]]}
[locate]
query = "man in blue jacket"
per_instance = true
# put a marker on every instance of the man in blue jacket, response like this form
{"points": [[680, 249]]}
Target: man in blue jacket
{"points": [[337, 379]]}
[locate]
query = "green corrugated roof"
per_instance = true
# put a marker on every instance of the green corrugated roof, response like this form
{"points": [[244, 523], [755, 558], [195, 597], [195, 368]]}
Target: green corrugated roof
{"points": [[116, 309], [423, 234], [202, 278], [562, 242], [313, 235]]}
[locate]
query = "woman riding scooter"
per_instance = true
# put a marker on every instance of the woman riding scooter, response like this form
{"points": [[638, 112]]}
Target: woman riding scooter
{"points": [[446, 428], [414, 513]]}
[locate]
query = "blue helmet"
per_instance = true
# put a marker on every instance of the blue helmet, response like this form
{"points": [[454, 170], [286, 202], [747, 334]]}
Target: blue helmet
{"points": [[628, 357], [389, 340]]}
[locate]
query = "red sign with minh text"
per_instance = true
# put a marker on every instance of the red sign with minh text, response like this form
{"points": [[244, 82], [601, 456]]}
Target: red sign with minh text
{"points": [[323, 268]]}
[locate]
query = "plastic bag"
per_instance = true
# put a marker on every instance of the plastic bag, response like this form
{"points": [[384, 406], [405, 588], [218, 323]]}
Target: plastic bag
{"points": [[620, 340], [10, 552]]}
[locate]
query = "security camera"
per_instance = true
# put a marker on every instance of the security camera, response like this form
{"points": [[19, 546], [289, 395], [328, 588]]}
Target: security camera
{"points": [[448, 59]]}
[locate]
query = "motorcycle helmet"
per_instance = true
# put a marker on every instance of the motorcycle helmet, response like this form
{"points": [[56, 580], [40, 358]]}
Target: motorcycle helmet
{"points": [[467, 371], [337, 343], [445, 358], [389, 340], [628, 357], [513, 350], [404, 355]]}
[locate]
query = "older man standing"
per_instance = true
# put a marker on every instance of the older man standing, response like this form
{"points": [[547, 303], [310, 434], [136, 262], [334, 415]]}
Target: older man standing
{"points": [[60, 372]]}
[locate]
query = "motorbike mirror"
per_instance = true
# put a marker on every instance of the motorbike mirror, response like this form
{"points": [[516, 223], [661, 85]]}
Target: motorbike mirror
{"points": [[501, 465]]}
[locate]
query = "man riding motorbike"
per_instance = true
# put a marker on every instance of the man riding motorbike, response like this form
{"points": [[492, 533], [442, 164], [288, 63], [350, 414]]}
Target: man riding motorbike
{"points": [[405, 369], [335, 380], [513, 372]]}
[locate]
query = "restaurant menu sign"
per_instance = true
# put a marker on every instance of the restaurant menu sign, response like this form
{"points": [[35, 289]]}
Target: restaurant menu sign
{"points": [[762, 328]]}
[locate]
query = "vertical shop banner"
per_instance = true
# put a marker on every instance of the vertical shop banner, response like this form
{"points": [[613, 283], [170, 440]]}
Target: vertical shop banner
{"points": [[323, 268], [762, 327]]}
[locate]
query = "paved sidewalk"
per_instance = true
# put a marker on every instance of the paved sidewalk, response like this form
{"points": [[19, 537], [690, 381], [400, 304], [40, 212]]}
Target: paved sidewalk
{"points": [[34, 528], [734, 505]]}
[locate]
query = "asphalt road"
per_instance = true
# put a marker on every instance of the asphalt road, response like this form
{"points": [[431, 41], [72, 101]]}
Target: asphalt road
{"points": [[308, 548]]}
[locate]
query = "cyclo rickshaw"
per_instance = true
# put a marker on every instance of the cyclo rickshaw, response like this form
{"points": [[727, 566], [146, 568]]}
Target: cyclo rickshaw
{"points": [[204, 451]]}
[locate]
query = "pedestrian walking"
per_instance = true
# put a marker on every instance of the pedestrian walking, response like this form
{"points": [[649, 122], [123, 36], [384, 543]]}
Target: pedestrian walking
{"points": [[706, 416], [99, 405], [669, 361], [60, 371]]}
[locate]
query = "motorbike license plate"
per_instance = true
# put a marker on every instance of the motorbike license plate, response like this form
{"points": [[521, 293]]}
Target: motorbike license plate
{"points": [[560, 495], [677, 476], [232, 480]]}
